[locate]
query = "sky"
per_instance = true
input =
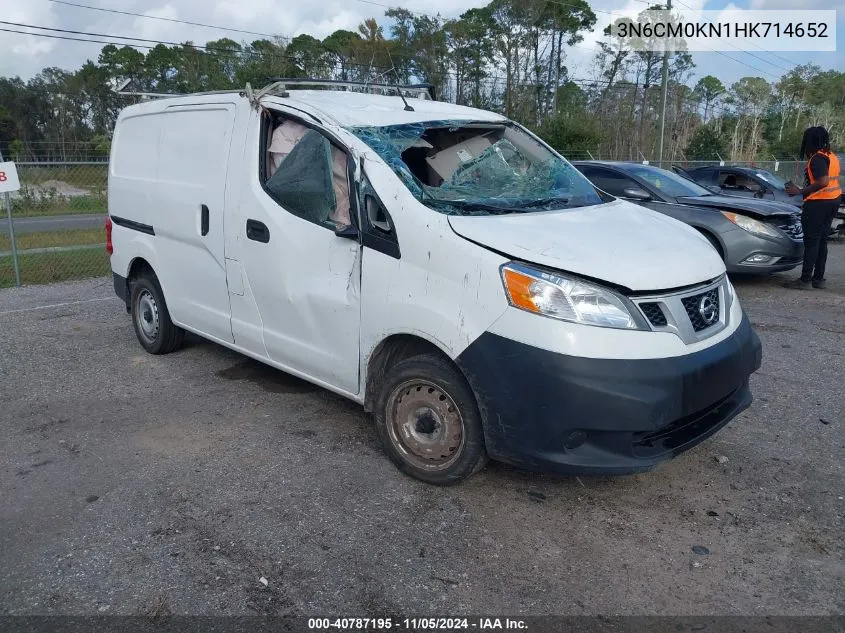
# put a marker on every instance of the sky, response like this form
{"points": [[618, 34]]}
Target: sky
{"points": [[25, 56]]}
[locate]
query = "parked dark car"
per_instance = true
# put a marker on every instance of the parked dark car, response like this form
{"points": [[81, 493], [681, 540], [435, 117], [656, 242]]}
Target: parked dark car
{"points": [[748, 182], [751, 182], [751, 235]]}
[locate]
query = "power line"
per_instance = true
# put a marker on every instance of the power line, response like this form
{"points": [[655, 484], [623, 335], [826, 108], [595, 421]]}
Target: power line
{"points": [[120, 37], [793, 64], [208, 50], [487, 79], [370, 2], [163, 19], [72, 39]]}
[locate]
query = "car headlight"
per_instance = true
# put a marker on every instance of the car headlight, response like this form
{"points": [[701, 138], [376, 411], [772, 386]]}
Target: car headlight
{"points": [[566, 298], [751, 225]]}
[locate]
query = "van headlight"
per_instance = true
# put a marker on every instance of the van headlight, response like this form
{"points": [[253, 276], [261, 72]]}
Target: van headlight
{"points": [[566, 298], [751, 225]]}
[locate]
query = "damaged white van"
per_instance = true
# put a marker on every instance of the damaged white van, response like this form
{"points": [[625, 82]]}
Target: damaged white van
{"points": [[439, 265]]}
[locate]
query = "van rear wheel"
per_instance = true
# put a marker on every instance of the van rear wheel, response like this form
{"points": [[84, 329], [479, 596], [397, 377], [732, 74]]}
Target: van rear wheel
{"points": [[153, 327], [428, 420]]}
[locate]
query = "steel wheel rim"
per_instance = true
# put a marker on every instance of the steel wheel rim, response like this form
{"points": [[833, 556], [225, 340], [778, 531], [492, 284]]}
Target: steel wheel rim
{"points": [[147, 316], [425, 425]]}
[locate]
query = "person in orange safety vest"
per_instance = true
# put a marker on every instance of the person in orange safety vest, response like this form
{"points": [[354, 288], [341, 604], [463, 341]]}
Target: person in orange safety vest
{"points": [[822, 195]]}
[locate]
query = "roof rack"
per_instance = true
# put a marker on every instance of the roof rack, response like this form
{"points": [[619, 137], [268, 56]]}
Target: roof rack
{"points": [[278, 87], [123, 89], [420, 91]]}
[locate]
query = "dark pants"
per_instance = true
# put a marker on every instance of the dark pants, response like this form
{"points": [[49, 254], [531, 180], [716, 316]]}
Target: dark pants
{"points": [[816, 218]]}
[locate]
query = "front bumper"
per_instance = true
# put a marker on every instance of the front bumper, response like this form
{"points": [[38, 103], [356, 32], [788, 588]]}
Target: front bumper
{"points": [[739, 245], [547, 411]]}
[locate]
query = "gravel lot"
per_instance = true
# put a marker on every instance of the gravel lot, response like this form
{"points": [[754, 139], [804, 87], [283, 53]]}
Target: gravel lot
{"points": [[134, 484]]}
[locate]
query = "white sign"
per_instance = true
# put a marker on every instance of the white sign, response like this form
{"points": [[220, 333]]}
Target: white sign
{"points": [[9, 178]]}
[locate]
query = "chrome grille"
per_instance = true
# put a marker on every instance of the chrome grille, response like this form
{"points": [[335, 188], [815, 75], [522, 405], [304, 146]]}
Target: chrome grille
{"points": [[703, 309], [693, 314], [654, 313]]}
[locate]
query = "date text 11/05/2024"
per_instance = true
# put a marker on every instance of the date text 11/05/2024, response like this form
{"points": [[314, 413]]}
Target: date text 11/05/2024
{"points": [[416, 624]]}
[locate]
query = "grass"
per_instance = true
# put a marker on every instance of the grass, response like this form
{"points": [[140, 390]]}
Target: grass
{"points": [[41, 205], [47, 239], [46, 268]]}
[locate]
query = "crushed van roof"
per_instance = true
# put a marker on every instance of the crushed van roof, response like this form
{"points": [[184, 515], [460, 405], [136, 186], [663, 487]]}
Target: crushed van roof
{"points": [[353, 109]]}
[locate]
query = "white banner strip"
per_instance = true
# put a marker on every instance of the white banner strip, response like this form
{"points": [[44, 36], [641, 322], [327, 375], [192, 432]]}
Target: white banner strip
{"points": [[730, 29]]}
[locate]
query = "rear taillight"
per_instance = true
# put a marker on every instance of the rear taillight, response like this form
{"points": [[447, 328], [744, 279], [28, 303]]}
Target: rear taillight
{"points": [[109, 246]]}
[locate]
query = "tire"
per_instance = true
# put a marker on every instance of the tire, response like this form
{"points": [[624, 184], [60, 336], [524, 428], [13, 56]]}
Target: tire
{"points": [[428, 421], [155, 331]]}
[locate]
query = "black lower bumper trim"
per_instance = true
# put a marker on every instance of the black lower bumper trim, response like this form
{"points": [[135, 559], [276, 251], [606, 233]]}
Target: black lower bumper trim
{"points": [[548, 411], [121, 289]]}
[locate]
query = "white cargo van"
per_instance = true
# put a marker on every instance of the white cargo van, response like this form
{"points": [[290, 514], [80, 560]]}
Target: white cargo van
{"points": [[439, 265]]}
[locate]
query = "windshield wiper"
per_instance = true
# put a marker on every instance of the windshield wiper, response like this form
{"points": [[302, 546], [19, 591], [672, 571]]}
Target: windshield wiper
{"points": [[543, 202], [463, 205]]}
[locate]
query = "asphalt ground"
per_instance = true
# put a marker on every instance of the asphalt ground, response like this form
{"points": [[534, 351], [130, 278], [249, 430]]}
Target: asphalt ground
{"points": [[134, 484]]}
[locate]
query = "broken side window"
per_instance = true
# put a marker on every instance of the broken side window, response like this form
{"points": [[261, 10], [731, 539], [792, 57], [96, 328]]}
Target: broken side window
{"points": [[301, 180]]}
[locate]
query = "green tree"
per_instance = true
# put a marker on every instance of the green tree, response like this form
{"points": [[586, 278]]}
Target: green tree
{"points": [[340, 49], [308, 57], [471, 51], [705, 144], [708, 89], [572, 134]]}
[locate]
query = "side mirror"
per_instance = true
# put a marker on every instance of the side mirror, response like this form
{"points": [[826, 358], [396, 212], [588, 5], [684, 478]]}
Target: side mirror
{"points": [[636, 194], [714, 188]]}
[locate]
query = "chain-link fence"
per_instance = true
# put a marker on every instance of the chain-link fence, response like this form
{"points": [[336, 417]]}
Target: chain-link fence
{"points": [[61, 208], [58, 217]]}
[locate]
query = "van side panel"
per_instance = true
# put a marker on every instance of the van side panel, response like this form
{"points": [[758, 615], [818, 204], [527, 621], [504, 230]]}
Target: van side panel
{"points": [[186, 209], [443, 288], [132, 168]]}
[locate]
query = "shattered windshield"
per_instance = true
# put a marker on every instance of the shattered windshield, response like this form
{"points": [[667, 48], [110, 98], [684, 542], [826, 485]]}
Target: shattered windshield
{"points": [[467, 168]]}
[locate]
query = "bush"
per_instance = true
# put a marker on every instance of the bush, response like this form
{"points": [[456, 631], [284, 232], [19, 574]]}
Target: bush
{"points": [[705, 144], [571, 134]]}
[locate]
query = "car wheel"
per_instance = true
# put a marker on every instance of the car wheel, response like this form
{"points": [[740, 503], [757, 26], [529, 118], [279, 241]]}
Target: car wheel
{"points": [[428, 420], [153, 327]]}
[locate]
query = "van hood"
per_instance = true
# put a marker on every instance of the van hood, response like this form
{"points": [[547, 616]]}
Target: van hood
{"points": [[618, 243]]}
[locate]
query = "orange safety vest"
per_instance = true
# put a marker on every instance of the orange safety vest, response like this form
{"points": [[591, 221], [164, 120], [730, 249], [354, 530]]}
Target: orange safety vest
{"points": [[832, 191]]}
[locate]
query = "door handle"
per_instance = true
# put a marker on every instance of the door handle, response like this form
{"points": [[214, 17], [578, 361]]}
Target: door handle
{"points": [[204, 220], [257, 231]]}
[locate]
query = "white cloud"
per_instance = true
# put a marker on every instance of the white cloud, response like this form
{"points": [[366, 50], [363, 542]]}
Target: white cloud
{"points": [[792, 5], [23, 51]]}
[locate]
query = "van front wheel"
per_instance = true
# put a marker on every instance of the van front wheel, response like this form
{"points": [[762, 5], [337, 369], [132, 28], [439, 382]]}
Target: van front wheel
{"points": [[153, 327], [428, 421]]}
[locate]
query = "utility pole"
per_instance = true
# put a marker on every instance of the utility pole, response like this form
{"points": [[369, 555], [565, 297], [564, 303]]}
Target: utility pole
{"points": [[665, 89]]}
